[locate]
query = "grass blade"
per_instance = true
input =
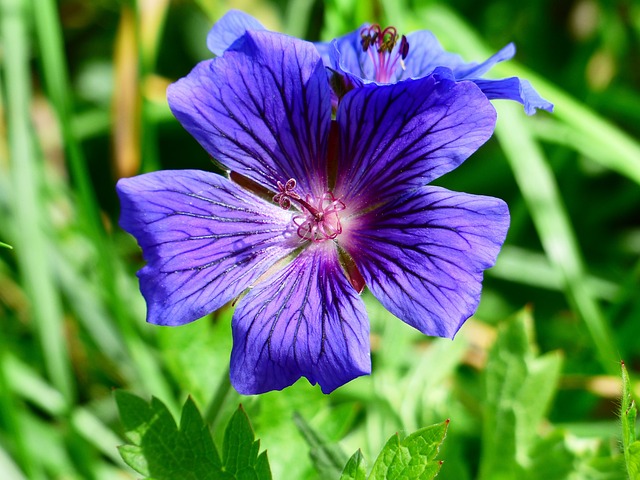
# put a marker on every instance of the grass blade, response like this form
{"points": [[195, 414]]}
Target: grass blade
{"points": [[540, 191], [28, 204]]}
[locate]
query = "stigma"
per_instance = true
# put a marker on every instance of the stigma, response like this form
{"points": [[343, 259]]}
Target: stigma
{"points": [[385, 53], [319, 219]]}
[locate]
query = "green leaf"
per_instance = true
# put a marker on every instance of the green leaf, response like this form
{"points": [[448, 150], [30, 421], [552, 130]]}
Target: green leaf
{"points": [[413, 457], [519, 388], [633, 461], [355, 468], [161, 450], [628, 414], [240, 450], [4, 245]]}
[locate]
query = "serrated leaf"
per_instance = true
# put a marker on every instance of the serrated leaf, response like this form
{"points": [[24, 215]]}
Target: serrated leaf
{"points": [[628, 414], [355, 468], [240, 450], [196, 433], [519, 388], [327, 458], [160, 449], [262, 469], [413, 457]]}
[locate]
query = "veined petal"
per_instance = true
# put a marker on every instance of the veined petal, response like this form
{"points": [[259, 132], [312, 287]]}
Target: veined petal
{"points": [[307, 321], [426, 54], [204, 238], [399, 136], [229, 28], [327, 51], [263, 110], [423, 254], [514, 89]]}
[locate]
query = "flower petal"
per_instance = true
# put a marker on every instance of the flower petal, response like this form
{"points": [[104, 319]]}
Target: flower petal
{"points": [[423, 255], [345, 54], [514, 89], [426, 54], [470, 71], [263, 110], [229, 28], [306, 320], [204, 238], [400, 136]]}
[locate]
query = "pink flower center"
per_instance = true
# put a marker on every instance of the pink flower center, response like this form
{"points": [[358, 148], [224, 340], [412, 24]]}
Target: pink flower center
{"points": [[319, 220], [380, 44]]}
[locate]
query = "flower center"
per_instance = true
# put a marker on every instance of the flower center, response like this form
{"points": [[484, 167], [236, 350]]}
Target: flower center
{"points": [[319, 220], [381, 47]]}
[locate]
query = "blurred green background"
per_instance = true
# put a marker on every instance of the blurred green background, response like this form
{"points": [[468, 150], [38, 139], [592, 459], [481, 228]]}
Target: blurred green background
{"points": [[83, 104]]}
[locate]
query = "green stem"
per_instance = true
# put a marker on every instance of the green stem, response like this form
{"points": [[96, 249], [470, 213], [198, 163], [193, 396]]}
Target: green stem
{"points": [[215, 406], [628, 414]]}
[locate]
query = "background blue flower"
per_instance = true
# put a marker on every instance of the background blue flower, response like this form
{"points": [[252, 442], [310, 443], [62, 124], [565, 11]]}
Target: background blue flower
{"points": [[371, 54]]}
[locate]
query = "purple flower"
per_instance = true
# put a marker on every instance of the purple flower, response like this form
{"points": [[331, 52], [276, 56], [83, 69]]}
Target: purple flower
{"points": [[314, 208], [373, 55]]}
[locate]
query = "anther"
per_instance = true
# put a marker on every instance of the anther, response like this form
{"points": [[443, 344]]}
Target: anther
{"points": [[404, 47]]}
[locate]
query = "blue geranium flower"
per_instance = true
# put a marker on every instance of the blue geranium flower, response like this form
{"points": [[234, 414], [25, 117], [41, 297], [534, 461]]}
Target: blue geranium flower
{"points": [[313, 209], [372, 55]]}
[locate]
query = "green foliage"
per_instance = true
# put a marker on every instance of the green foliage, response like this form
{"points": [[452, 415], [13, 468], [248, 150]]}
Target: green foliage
{"points": [[628, 414], [240, 451], [400, 459], [519, 387], [355, 468], [411, 458], [4, 245], [160, 450]]}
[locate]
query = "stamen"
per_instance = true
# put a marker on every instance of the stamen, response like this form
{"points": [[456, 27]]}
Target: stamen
{"points": [[385, 57], [388, 39]]}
